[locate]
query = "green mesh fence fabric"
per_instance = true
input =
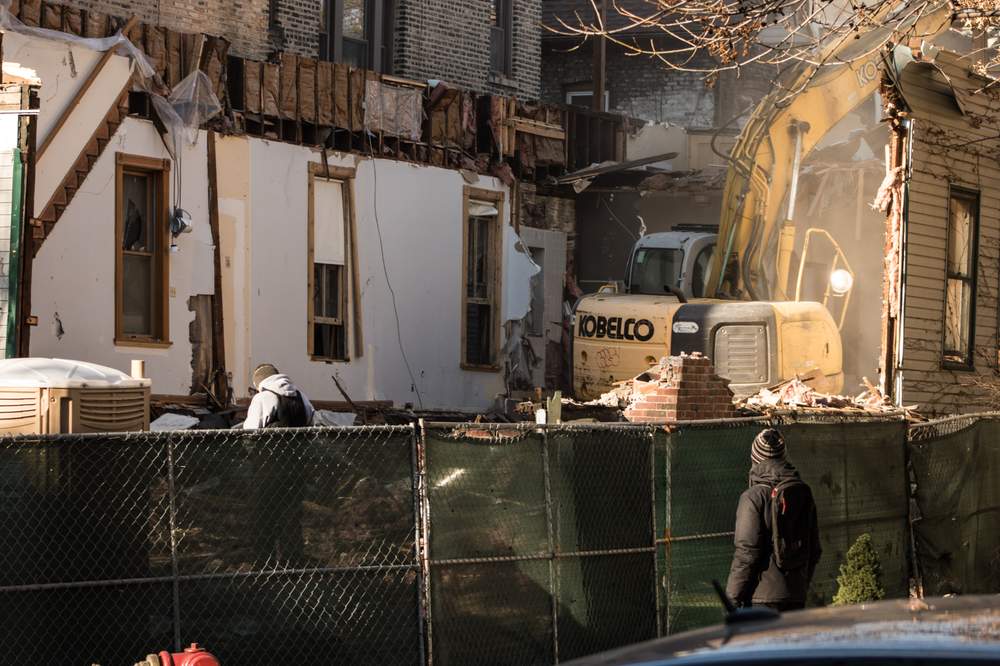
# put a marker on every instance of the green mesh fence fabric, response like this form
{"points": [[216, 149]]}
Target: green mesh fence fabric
{"points": [[857, 473], [468, 544], [541, 544], [956, 517], [301, 543]]}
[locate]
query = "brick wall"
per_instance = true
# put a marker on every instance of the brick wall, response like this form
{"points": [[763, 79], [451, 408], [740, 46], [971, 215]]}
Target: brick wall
{"points": [[686, 389], [450, 40], [640, 87], [296, 26], [644, 88], [243, 22]]}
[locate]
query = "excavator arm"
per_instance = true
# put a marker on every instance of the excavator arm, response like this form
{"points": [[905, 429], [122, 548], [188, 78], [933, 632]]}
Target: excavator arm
{"points": [[759, 196]]}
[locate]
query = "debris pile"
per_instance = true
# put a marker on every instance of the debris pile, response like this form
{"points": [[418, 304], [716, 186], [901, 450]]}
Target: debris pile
{"points": [[796, 395]]}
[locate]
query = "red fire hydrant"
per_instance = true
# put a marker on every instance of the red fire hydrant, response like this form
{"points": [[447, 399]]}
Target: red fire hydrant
{"points": [[192, 656]]}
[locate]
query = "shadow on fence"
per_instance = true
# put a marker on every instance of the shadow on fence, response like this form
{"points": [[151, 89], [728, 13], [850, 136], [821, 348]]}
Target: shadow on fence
{"points": [[470, 544]]}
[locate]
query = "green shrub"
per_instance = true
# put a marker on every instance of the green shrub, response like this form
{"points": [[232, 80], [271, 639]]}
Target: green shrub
{"points": [[860, 578]]}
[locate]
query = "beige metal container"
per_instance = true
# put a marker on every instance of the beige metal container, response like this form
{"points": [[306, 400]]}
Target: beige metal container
{"points": [[48, 396]]}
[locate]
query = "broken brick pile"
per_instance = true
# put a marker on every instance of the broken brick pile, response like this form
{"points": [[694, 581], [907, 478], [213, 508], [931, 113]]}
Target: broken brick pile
{"points": [[681, 388]]}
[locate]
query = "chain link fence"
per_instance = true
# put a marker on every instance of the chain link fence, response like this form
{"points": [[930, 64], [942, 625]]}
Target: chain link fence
{"points": [[955, 510], [450, 544]]}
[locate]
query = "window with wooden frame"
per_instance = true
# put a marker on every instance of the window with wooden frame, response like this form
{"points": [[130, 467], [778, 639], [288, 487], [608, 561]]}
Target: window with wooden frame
{"points": [[142, 241], [481, 240], [358, 33], [960, 290], [334, 314]]}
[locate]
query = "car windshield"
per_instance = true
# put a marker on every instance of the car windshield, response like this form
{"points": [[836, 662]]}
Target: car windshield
{"points": [[656, 268]]}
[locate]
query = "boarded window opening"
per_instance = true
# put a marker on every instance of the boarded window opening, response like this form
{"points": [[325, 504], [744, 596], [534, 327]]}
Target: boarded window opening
{"points": [[331, 253], [960, 292]]}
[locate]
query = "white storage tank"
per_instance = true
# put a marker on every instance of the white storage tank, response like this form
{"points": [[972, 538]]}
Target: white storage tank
{"points": [[52, 395]]}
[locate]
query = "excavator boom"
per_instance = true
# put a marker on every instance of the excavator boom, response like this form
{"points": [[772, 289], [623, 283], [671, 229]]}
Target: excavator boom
{"points": [[758, 199]]}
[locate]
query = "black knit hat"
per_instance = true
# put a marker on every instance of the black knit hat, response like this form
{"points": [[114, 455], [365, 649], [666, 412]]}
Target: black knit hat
{"points": [[768, 444]]}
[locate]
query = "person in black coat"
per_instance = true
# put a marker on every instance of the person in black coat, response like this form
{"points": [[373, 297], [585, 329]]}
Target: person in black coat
{"points": [[755, 577]]}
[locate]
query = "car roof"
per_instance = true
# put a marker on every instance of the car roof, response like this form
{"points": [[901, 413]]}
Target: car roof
{"points": [[918, 627]]}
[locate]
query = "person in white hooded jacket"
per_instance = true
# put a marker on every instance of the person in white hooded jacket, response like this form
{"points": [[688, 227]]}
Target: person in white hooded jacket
{"points": [[280, 484], [278, 403]]}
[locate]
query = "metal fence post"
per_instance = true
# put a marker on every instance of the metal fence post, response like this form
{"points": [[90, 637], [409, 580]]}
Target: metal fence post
{"points": [[174, 569], [418, 540], [423, 542], [652, 502], [915, 583], [550, 533], [668, 452]]}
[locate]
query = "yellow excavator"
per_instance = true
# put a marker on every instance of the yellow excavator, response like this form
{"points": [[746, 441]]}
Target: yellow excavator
{"points": [[754, 331]]}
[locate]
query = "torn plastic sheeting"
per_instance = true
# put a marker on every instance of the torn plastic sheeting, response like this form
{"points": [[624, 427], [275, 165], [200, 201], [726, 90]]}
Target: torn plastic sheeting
{"points": [[519, 268], [118, 41], [394, 110], [191, 103]]}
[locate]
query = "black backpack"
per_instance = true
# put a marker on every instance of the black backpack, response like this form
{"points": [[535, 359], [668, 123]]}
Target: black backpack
{"points": [[792, 518], [291, 412]]}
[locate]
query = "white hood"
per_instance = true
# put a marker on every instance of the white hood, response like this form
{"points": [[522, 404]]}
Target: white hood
{"points": [[280, 384]]}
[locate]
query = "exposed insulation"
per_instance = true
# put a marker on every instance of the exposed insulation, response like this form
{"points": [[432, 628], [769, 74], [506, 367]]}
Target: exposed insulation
{"points": [[270, 89], [288, 80], [191, 49], [251, 85], [213, 63], [356, 100], [175, 70], [325, 93], [30, 12], [307, 90], [394, 110], [95, 25], [51, 16], [341, 88], [73, 20], [156, 49]]}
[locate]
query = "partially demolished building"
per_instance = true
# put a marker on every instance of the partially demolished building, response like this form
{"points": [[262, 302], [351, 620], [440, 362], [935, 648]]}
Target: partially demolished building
{"points": [[940, 325], [206, 206]]}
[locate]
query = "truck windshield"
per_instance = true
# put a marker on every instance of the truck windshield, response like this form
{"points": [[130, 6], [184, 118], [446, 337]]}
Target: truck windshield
{"points": [[654, 269]]}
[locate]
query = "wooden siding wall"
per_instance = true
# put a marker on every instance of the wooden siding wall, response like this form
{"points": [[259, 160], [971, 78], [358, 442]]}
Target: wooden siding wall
{"points": [[949, 148]]}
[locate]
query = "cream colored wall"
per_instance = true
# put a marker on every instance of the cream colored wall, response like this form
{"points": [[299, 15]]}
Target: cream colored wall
{"points": [[63, 70]]}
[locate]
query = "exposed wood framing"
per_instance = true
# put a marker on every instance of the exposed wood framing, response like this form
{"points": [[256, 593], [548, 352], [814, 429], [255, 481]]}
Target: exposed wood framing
{"points": [[548, 130], [220, 379]]}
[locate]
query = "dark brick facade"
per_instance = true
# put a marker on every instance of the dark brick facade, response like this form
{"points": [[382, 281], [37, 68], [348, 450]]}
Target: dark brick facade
{"points": [[432, 39], [243, 22], [296, 26], [640, 87], [450, 40]]}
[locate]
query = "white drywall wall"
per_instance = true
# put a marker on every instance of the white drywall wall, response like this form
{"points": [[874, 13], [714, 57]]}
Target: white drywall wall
{"points": [[74, 272], [420, 213]]}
